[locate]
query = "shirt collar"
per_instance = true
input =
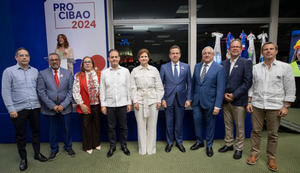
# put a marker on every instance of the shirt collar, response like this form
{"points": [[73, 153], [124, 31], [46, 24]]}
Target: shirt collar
{"points": [[273, 63], [209, 64], [19, 67], [234, 61], [58, 70], [140, 67], [113, 69], [175, 63]]}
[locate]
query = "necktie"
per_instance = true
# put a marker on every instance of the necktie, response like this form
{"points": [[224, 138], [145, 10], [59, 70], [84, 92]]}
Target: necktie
{"points": [[56, 78], [203, 73], [175, 72]]}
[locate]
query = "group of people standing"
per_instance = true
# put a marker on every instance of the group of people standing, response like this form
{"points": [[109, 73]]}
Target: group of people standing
{"points": [[265, 90]]}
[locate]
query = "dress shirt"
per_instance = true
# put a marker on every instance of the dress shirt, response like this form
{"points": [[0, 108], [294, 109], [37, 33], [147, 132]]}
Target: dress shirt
{"points": [[232, 63], [146, 85], [271, 87], [76, 86], [19, 88], [58, 72], [207, 67], [115, 87], [178, 68]]}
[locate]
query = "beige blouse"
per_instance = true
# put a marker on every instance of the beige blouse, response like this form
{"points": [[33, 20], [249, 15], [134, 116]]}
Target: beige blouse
{"points": [[146, 85]]}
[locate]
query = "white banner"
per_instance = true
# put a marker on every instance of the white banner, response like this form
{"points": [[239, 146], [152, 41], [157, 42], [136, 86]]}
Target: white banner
{"points": [[83, 23]]}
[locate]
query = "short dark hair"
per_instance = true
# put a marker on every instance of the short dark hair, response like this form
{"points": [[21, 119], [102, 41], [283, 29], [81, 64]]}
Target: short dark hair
{"points": [[20, 48], [113, 50], [53, 54], [175, 47], [236, 39]]}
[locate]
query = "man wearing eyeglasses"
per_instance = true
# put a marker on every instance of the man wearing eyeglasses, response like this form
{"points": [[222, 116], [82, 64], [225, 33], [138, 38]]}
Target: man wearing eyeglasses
{"points": [[54, 87], [238, 72], [21, 100]]}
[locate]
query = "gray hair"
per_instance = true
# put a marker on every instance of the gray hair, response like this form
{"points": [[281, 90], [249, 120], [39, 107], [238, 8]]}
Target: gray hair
{"points": [[208, 47]]}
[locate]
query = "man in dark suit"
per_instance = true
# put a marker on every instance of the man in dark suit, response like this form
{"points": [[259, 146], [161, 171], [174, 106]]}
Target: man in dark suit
{"points": [[54, 86], [239, 79], [176, 78], [208, 86]]}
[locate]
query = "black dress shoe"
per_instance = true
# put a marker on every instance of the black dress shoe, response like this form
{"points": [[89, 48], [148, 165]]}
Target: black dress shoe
{"points": [[197, 146], [40, 157], [111, 151], [180, 147], [209, 151], [168, 147], [23, 165], [225, 148], [71, 152], [52, 155], [125, 150], [237, 154]]}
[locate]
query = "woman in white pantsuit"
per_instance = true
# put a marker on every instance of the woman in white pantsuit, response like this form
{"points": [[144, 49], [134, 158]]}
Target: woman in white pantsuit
{"points": [[146, 93]]}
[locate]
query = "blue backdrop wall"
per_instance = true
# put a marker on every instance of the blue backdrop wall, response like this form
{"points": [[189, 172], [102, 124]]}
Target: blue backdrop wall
{"points": [[23, 25]]}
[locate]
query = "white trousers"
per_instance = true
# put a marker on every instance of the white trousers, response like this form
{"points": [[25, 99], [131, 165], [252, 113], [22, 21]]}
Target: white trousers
{"points": [[146, 129]]}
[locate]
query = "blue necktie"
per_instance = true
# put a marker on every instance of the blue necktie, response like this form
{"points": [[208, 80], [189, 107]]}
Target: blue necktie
{"points": [[175, 72]]}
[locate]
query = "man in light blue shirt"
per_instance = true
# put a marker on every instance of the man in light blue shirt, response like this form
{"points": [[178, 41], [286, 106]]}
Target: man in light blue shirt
{"points": [[20, 98]]}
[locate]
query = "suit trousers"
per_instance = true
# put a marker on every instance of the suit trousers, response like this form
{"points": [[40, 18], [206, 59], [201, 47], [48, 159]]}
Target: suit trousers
{"points": [[273, 123], [114, 115], [91, 128], [234, 114], [210, 120], [20, 124], [53, 121], [146, 129], [174, 117]]}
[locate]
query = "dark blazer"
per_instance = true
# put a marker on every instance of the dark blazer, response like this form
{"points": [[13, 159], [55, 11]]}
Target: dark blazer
{"points": [[239, 81], [182, 86], [48, 92], [210, 92]]}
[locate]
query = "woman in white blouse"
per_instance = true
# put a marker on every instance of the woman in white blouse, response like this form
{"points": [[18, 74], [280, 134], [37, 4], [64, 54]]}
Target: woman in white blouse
{"points": [[86, 94], [146, 94], [64, 51]]}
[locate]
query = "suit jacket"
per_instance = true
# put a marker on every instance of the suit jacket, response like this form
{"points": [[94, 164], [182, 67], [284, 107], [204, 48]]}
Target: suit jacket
{"points": [[239, 81], [182, 86], [210, 92], [48, 92]]}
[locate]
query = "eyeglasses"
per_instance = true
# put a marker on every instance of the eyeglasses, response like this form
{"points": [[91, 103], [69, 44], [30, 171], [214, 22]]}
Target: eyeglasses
{"points": [[235, 47], [87, 62], [23, 55], [54, 60]]}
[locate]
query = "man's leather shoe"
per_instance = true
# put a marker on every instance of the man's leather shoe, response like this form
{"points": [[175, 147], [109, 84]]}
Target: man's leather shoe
{"points": [[111, 151], [272, 165], [237, 154], [196, 146], [23, 165], [180, 147], [225, 148], [40, 157], [52, 155], [168, 147], [252, 159], [71, 152], [209, 151], [125, 150]]}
